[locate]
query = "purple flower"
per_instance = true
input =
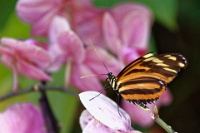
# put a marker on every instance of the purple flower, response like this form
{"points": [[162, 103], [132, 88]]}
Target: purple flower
{"points": [[67, 48], [102, 115], [126, 31], [25, 58], [22, 118], [40, 13]]}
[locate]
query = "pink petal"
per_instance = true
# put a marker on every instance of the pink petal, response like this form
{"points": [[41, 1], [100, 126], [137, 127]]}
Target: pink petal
{"points": [[85, 118], [94, 126], [31, 52], [165, 99], [7, 60], [95, 60], [138, 116], [39, 13], [134, 20], [83, 84], [15, 78], [111, 33], [136, 28], [88, 24], [121, 10], [58, 26], [106, 111], [21, 118], [41, 27], [58, 58], [4, 50], [31, 71], [26, 9], [129, 55], [71, 44]]}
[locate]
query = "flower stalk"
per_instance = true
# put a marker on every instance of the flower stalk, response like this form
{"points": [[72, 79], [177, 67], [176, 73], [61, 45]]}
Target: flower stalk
{"points": [[35, 88], [49, 117], [160, 122]]}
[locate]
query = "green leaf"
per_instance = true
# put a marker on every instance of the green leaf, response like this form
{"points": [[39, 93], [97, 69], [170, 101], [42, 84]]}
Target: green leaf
{"points": [[105, 3], [165, 11], [152, 45], [7, 7], [15, 28]]}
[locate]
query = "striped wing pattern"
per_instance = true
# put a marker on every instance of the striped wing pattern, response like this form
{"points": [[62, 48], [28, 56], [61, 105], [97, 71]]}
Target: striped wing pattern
{"points": [[144, 80]]}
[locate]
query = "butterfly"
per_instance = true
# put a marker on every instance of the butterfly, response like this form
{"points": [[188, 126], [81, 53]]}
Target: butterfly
{"points": [[144, 80]]}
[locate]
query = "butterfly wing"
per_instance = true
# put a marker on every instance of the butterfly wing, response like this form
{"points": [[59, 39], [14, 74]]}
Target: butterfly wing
{"points": [[145, 79]]}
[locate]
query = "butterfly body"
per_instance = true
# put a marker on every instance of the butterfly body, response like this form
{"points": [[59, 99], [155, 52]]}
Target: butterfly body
{"points": [[145, 79]]}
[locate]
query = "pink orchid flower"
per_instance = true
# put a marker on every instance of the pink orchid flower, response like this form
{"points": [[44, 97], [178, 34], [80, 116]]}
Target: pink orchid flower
{"points": [[22, 118], [25, 58], [88, 24], [81, 61], [40, 13], [126, 31], [102, 115]]}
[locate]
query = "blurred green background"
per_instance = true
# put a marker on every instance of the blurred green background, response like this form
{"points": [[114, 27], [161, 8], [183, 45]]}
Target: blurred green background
{"points": [[176, 29]]}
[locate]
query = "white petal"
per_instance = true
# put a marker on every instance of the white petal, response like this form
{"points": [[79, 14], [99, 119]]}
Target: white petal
{"points": [[106, 111]]}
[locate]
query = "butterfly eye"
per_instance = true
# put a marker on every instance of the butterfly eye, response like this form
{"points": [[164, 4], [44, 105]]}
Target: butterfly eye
{"points": [[110, 75]]}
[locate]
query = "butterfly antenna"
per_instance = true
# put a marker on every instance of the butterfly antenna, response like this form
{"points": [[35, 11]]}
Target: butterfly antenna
{"points": [[90, 75], [98, 55]]}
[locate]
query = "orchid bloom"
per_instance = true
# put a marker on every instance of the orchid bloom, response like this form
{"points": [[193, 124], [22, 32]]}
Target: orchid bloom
{"points": [[25, 58], [126, 31], [81, 61], [102, 115], [22, 118], [45, 10]]}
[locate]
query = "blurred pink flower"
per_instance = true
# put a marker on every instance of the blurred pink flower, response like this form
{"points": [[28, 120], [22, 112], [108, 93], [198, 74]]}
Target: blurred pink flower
{"points": [[102, 115], [68, 47], [88, 24], [142, 117], [22, 118], [25, 58], [39, 13], [126, 31]]}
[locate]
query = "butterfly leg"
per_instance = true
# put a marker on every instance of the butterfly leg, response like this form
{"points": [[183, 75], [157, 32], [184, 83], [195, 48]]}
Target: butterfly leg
{"points": [[105, 88], [117, 100]]}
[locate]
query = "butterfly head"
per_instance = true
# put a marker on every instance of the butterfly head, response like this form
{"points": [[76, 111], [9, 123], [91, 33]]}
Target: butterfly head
{"points": [[111, 80]]}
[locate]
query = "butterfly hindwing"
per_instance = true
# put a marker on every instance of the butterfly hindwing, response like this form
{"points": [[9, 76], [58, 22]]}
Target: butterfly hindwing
{"points": [[142, 90]]}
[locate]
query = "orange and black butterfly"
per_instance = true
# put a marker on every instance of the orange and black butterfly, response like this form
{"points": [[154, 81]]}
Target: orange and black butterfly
{"points": [[145, 79]]}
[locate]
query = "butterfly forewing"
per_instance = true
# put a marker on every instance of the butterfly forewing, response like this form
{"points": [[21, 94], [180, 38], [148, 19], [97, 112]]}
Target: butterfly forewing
{"points": [[144, 80]]}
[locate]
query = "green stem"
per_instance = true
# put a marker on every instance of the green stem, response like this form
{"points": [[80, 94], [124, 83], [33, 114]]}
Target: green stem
{"points": [[35, 88], [167, 128], [160, 122]]}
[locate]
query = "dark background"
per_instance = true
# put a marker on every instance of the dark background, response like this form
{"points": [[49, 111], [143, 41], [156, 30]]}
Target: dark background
{"points": [[184, 112]]}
